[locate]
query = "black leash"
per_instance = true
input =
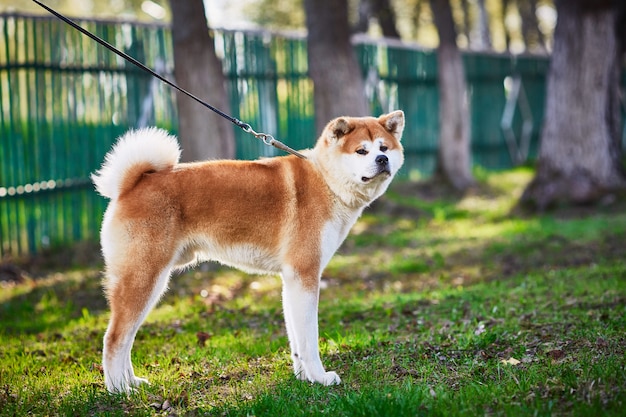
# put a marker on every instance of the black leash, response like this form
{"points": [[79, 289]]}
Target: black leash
{"points": [[266, 138]]}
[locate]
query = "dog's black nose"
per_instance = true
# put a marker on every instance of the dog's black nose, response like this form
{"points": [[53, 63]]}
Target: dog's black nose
{"points": [[382, 160]]}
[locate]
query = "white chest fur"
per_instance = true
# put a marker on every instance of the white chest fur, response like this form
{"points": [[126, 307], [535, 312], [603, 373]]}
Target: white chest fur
{"points": [[334, 233]]}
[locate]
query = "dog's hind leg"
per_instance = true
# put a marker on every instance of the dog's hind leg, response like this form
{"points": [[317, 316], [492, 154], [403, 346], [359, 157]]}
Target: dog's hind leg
{"points": [[132, 294], [300, 309]]}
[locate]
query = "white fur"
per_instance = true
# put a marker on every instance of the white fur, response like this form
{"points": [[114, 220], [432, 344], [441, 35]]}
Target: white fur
{"points": [[246, 257], [151, 145], [300, 306], [370, 168], [334, 233], [300, 310], [344, 173], [357, 166]]}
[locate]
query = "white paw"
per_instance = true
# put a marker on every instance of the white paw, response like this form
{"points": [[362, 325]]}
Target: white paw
{"points": [[300, 374], [124, 386], [327, 378], [330, 378], [117, 388], [136, 381], [298, 369]]}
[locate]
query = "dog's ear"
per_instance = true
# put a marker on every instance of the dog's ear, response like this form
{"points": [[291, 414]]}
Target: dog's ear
{"points": [[393, 123], [338, 128]]}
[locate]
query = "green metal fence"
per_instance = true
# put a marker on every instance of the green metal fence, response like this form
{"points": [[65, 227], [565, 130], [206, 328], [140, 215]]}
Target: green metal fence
{"points": [[64, 100], [62, 103]]}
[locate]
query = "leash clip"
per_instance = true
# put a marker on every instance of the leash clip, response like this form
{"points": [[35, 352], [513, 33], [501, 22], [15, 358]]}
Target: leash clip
{"points": [[266, 138], [269, 140]]}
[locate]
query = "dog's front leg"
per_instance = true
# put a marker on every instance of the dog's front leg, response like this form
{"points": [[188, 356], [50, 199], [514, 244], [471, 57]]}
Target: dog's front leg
{"points": [[300, 304]]}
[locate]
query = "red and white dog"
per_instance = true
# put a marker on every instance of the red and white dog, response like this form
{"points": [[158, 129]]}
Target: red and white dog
{"points": [[283, 215]]}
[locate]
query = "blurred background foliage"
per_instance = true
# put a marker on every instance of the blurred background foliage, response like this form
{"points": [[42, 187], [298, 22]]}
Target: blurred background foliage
{"points": [[511, 25]]}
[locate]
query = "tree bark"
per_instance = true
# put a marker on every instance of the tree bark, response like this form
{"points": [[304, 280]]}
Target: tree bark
{"points": [[533, 38], [382, 11], [580, 154], [467, 25], [483, 26], [333, 67], [454, 157], [203, 134], [507, 35], [386, 18]]}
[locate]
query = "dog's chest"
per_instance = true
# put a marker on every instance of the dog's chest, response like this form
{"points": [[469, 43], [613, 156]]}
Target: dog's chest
{"points": [[333, 235]]}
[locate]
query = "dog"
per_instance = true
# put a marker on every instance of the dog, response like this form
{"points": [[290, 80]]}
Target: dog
{"points": [[282, 215]]}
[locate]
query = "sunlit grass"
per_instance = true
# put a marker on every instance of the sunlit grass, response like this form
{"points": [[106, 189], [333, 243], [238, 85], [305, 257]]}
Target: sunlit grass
{"points": [[442, 306]]}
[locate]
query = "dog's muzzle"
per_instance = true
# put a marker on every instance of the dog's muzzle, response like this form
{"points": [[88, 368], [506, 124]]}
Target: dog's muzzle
{"points": [[382, 167], [382, 162]]}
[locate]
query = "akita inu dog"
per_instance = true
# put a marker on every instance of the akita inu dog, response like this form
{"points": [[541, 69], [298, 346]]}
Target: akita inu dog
{"points": [[282, 215]]}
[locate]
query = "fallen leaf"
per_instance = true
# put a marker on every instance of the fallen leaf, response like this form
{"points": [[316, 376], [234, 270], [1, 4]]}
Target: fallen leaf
{"points": [[97, 368], [555, 354], [510, 361], [601, 343], [202, 338], [166, 406]]}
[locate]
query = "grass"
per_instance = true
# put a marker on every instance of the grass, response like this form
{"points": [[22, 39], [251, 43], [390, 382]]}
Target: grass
{"points": [[435, 305]]}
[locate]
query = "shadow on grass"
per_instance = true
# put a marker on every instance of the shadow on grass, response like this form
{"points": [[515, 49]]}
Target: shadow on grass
{"points": [[51, 302], [415, 318]]}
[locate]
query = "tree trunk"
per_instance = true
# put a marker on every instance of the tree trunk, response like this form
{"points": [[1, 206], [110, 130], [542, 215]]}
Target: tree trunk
{"points": [[386, 18], [364, 12], [483, 26], [454, 161], [203, 134], [533, 38], [382, 11], [580, 154], [417, 17], [507, 35], [467, 25], [338, 83]]}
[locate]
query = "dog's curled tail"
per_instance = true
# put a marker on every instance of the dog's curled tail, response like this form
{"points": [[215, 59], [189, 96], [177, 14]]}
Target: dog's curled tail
{"points": [[136, 152]]}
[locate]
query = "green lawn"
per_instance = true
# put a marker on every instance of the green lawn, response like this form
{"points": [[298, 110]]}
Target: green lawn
{"points": [[435, 305]]}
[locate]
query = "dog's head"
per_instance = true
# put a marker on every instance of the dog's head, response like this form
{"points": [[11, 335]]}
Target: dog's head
{"points": [[362, 154]]}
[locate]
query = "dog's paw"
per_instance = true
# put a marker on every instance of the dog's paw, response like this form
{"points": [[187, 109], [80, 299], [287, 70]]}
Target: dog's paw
{"points": [[125, 386], [327, 378], [301, 375], [330, 378], [135, 382]]}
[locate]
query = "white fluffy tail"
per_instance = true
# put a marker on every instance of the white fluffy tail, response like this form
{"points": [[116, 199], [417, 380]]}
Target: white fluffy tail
{"points": [[136, 152]]}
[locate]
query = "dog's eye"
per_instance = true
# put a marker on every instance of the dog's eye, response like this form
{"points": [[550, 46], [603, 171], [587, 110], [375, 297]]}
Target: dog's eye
{"points": [[383, 148], [361, 151]]}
